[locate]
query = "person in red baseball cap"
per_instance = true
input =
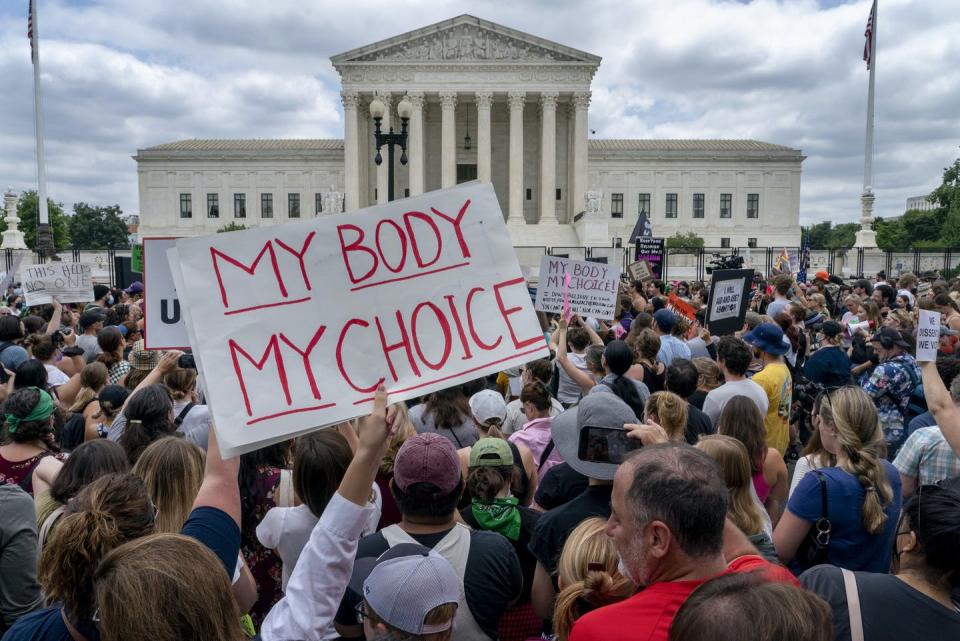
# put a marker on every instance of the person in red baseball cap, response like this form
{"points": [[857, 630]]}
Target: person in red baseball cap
{"points": [[427, 485]]}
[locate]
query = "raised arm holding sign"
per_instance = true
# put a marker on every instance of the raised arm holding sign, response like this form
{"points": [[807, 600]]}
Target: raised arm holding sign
{"points": [[295, 326]]}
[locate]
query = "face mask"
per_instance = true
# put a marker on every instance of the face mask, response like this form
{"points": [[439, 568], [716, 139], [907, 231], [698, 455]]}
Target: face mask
{"points": [[791, 291], [109, 300]]}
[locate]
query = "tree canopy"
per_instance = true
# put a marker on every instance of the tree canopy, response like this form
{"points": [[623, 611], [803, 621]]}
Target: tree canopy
{"points": [[685, 240], [27, 211], [95, 227]]}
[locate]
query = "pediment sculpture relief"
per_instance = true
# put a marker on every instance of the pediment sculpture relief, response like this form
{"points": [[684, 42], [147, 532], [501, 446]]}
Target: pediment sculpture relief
{"points": [[465, 43]]}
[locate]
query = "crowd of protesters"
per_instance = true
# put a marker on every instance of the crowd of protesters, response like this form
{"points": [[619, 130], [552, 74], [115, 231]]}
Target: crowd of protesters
{"points": [[798, 479]]}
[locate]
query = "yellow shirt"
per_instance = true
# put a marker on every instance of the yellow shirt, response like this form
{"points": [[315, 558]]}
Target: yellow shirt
{"points": [[776, 382]]}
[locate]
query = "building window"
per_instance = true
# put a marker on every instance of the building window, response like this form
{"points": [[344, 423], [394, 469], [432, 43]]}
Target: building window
{"points": [[318, 204], [293, 205], [698, 205], [726, 205], [213, 205], [266, 205], [616, 205], [671, 205], [239, 205], [753, 205], [558, 193], [186, 206], [725, 243], [643, 206], [406, 192], [529, 194], [752, 243]]}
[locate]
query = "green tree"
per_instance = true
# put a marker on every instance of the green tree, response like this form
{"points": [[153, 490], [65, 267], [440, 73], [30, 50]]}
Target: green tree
{"points": [[890, 234], [93, 227], [685, 240], [231, 227], [947, 195], [27, 211], [825, 236]]}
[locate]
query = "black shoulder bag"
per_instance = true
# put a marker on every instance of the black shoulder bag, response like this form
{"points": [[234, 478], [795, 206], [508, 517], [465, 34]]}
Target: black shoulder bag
{"points": [[814, 550]]}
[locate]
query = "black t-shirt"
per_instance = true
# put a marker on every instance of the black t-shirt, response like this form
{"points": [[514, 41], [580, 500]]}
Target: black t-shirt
{"points": [[555, 526], [890, 609], [698, 424], [528, 521], [696, 399], [561, 484], [492, 579]]}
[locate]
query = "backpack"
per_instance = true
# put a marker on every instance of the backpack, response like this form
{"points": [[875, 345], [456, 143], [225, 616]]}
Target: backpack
{"points": [[917, 401]]}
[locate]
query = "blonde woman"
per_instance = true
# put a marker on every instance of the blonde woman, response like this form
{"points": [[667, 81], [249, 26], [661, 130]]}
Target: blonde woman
{"points": [[743, 509], [669, 411], [588, 576], [862, 490], [172, 470], [93, 378]]}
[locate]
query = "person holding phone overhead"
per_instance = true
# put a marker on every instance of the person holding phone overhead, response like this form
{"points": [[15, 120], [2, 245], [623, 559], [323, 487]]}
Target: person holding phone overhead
{"points": [[590, 437]]}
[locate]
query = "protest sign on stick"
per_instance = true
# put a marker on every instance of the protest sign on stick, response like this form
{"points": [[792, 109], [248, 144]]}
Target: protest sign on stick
{"points": [[729, 299], [590, 290], [928, 336], [67, 282], [163, 317], [651, 250], [640, 271], [294, 326]]}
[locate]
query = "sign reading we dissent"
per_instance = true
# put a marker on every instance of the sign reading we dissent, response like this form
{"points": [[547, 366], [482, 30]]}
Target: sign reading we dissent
{"points": [[294, 326]]}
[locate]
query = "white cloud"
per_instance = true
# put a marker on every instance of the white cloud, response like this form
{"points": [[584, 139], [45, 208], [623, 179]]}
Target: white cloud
{"points": [[125, 74]]}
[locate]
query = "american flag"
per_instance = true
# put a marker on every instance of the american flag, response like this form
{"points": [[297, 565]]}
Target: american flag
{"points": [[33, 42], [868, 34]]}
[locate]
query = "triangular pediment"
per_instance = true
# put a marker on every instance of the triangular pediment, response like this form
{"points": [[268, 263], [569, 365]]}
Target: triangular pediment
{"points": [[466, 39]]}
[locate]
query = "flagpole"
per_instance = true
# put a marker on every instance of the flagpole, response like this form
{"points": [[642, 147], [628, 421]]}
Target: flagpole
{"points": [[866, 237], [44, 237]]}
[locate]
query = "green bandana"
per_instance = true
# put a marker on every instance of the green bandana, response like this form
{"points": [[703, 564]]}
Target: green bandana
{"points": [[43, 409], [500, 515]]}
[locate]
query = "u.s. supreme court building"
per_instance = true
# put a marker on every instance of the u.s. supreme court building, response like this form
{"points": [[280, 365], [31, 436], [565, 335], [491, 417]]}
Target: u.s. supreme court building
{"points": [[489, 103]]}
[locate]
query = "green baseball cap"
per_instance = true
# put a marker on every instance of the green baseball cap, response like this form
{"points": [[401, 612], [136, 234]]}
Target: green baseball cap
{"points": [[494, 452]]}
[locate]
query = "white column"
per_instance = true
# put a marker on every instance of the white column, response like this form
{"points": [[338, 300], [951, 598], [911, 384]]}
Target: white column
{"points": [[548, 156], [351, 151], [484, 101], [515, 209], [448, 139], [580, 152], [382, 173], [415, 143]]}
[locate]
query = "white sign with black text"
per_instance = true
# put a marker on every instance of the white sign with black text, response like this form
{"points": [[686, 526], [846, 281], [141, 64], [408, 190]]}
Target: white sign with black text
{"points": [[928, 336]]}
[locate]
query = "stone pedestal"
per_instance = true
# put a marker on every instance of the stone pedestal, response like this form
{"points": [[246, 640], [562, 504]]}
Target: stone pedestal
{"points": [[866, 237], [13, 237]]}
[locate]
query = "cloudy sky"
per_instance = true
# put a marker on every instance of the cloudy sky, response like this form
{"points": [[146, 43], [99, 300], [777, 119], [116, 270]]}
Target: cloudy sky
{"points": [[119, 75]]}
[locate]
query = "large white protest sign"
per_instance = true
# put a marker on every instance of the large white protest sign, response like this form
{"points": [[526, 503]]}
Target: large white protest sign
{"points": [[294, 326], [164, 324], [67, 282], [725, 301], [928, 336], [592, 290]]}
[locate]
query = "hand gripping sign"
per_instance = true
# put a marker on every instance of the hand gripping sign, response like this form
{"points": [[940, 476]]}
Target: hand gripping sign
{"points": [[294, 326]]}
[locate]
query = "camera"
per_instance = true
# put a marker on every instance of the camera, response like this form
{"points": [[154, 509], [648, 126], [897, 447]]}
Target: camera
{"points": [[186, 361], [720, 261]]}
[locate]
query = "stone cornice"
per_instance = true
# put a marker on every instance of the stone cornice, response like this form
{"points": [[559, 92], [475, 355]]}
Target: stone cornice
{"points": [[469, 76]]}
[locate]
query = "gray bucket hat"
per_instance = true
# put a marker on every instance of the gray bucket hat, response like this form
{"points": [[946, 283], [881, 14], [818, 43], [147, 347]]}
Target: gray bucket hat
{"points": [[601, 409]]}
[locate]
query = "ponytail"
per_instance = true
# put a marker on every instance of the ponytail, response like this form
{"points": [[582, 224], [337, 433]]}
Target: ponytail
{"points": [[598, 589], [869, 471], [627, 391], [110, 511], [493, 428]]}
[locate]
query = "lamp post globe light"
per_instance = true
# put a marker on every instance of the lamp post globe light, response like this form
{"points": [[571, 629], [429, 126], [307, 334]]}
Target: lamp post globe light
{"points": [[377, 109]]}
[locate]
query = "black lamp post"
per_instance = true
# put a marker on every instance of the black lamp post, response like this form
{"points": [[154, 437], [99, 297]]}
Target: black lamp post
{"points": [[377, 109]]}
